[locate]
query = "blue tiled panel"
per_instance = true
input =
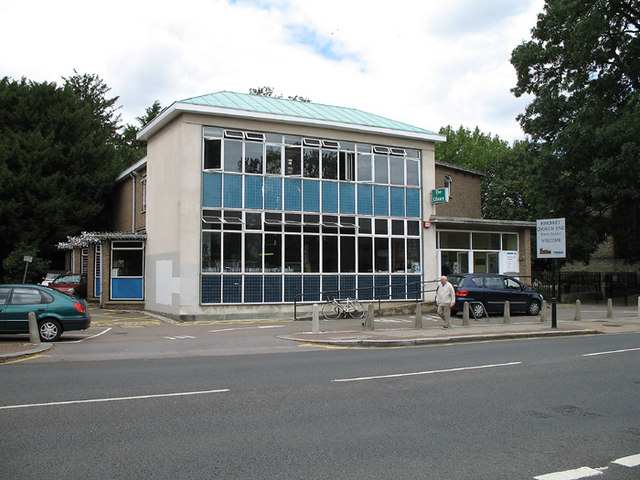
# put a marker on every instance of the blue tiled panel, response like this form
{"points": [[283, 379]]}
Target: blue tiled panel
{"points": [[212, 189], [381, 201], [232, 289], [330, 286], [273, 288], [347, 286], [365, 199], [329, 197], [253, 192], [126, 288], [211, 285], [413, 202], [292, 287], [382, 286], [96, 287], [347, 198], [365, 287], [273, 193], [311, 288], [292, 194], [398, 287], [414, 287], [233, 191], [311, 195], [253, 289], [397, 202]]}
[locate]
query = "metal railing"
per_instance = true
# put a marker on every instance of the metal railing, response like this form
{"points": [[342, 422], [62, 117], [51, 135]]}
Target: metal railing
{"points": [[394, 292]]}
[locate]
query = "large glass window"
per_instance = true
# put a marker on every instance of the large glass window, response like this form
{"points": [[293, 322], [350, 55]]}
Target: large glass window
{"points": [[396, 166], [365, 255], [253, 252], [413, 255], [509, 241], [292, 253], [382, 254], [381, 163], [232, 251], [292, 157], [127, 259], [311, 162], [272, 252], [330, 164], [212, 154], [347, 254], [397, 255], [329, 253], [347, 166], [311, 253], [232, 156], [274, 159], [486, 241], [364, 168], [253, 156], [211, 251], [454, 240]]}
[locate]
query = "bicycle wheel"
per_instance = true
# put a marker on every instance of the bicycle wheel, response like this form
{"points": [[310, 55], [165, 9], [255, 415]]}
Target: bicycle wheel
{"points": [[331, 311], [357, 310]]}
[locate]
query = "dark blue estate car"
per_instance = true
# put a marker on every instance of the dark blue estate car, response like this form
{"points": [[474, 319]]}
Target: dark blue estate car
{"points": [[55, 311], [487, 293]]}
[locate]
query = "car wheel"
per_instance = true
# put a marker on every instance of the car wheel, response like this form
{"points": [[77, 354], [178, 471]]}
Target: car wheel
{"points": [[478, 309], [50, 330], [534, 308]]}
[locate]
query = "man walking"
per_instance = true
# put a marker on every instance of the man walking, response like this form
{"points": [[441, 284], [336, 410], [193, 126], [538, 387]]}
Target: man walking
{"points": [[445, 300]]}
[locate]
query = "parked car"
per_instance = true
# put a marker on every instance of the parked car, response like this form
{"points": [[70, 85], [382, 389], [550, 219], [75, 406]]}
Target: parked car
{"points": [[55, 312], [50, 277], [72, 284], [487, 293]]}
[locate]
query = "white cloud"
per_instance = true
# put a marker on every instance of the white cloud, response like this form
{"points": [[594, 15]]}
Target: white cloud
{"points": [[423, 62]]}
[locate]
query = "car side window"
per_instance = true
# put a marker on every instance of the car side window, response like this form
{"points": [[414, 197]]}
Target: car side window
{"points": [[25, 296], [477, 281], [4, 295], [494, 283], [512, 284]]}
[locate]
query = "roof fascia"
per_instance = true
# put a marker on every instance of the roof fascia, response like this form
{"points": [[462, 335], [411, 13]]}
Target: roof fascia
{"points": [[136, 166], [177, 108]]}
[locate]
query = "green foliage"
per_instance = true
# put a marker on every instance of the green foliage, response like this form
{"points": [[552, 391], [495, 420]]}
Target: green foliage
{"points": [[267, 91], [58, 160], [583, 69], [14, 265], [131, 149]]}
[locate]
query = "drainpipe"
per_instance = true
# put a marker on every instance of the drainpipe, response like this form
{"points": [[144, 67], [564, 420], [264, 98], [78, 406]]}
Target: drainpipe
{"points": [[133, 175]]}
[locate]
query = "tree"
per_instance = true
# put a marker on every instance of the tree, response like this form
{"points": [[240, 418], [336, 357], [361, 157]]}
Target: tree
{"points": [[582, 68], [267, 91], [58, 161], [131, 149], [506, 186]]}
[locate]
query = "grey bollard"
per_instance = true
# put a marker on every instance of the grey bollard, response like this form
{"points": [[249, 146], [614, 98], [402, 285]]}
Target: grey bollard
{"points": [[543, 311], [315, 319], [369, 323], [418, 322], [465, 314], [34, 334], [609, 308], [578, 316], [507, 312]]}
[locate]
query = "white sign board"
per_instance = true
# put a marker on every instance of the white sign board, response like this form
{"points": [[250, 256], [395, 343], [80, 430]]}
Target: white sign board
{"points": [[551, 238]]}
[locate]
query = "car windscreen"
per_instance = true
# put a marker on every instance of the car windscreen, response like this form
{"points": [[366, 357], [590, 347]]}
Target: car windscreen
{"points": [[67, 279]]}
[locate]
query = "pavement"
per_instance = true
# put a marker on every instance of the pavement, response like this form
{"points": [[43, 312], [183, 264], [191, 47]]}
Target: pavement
{"points": [[400, 331]]}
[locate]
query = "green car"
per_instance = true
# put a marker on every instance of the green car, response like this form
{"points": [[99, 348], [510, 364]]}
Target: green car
{"points": [[55, 312]]}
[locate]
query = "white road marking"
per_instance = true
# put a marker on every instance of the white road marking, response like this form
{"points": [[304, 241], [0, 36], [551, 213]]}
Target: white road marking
{"points": [[630, 461], [582, 472], [610, 352], [92, 336], [244, 328], [428, 372], [114, 399], [180, 337]]}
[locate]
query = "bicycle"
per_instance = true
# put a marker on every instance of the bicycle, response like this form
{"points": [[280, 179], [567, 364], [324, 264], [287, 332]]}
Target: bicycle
{"points": [[334, 308]]}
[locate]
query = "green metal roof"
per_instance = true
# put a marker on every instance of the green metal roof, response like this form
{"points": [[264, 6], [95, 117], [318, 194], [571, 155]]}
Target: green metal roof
{"points": [[293, 108]]}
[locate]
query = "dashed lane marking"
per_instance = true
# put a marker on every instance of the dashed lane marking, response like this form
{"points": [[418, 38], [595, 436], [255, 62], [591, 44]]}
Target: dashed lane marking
{"points": [[576, 474], [630, 461], [114, 399]]}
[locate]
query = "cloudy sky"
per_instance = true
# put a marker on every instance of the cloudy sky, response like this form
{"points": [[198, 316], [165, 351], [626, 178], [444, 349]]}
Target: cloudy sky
{"points": [[425, 62]]}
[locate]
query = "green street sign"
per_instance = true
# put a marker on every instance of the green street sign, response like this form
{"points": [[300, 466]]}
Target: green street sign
{"points": [[439, 195]]}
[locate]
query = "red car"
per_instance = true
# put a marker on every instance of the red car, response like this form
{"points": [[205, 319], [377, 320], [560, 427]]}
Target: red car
{"points": [[72, 284]]}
